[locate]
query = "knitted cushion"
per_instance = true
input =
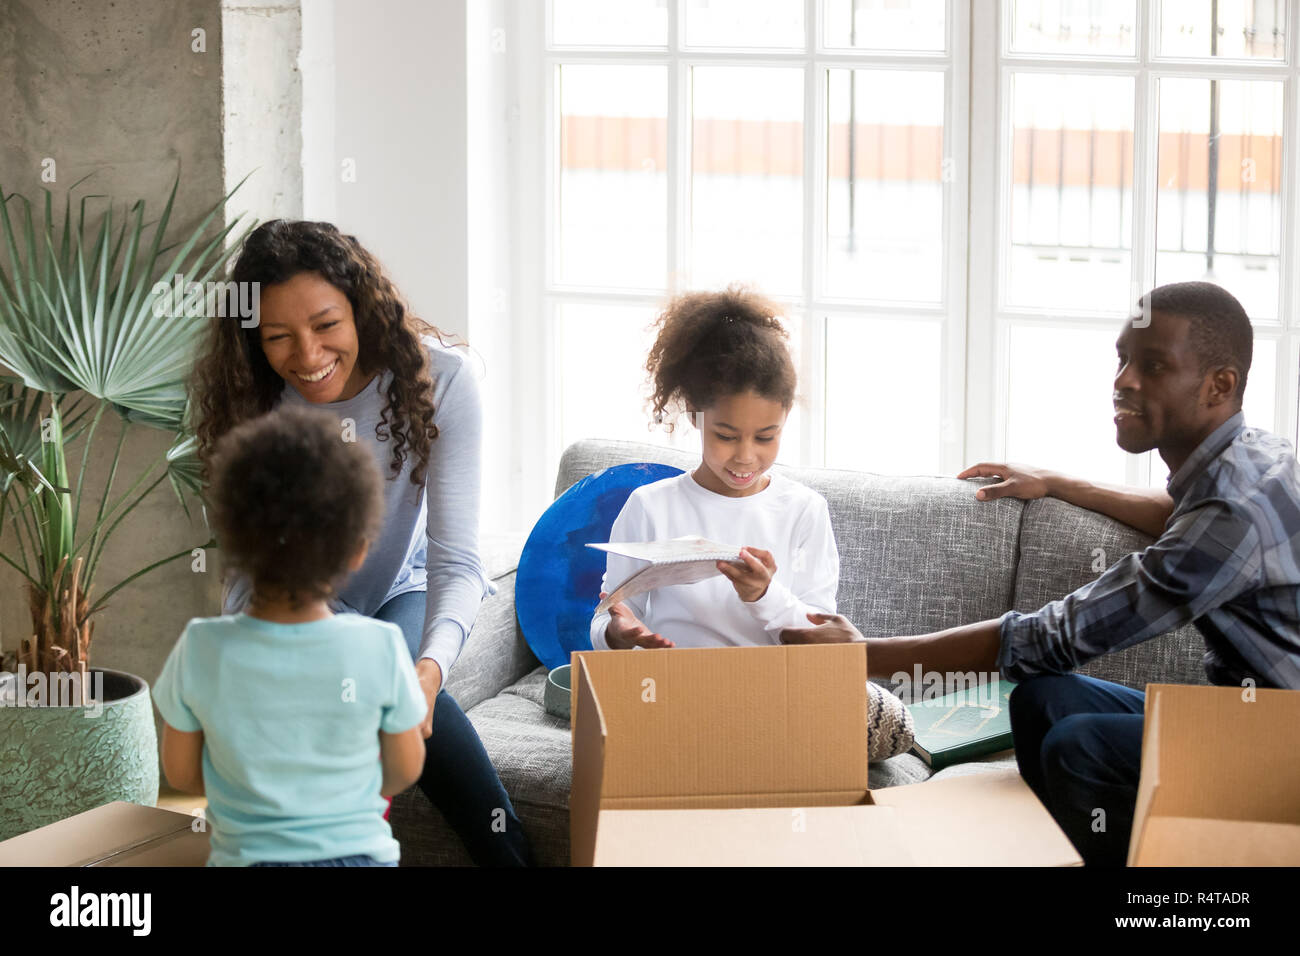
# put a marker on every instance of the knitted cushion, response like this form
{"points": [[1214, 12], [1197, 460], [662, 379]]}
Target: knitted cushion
{"points": [[890, 729]]}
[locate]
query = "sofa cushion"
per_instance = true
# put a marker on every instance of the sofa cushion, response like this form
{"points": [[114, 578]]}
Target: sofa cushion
{"points": [[897, 771], [495, 655], [1062, 548], [1002, 760], [584, 458], [918, 554]]}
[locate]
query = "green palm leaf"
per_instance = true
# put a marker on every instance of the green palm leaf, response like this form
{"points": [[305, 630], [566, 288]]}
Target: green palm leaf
{"points": [[85, 325]]}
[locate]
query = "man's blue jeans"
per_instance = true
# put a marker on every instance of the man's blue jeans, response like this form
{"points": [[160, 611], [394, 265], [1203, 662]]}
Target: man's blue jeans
{"points": [[1079, 746], [458, 776]]}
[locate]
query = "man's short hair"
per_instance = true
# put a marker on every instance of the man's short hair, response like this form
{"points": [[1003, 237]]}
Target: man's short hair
{"points": [[1220, 330]]}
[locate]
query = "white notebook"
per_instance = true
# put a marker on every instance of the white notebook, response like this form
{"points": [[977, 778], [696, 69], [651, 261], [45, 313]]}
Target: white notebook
{"points": [[676, 561]]}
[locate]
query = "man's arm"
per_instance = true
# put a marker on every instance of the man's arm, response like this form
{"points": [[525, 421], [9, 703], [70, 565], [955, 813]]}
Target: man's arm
{"points": [[1146, 509], [970, 647], [1208, 557]]}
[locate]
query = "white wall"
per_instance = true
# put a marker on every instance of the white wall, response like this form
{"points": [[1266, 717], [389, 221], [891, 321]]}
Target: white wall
{"points": [[396, 178], [421, 98]]}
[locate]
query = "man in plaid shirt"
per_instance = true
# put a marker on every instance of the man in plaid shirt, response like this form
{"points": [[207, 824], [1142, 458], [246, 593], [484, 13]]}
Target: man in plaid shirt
{"points": [[1225, 559]]}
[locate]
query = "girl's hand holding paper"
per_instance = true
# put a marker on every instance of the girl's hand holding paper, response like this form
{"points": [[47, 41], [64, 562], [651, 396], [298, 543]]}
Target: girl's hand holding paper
{"points": [[751, 575]]}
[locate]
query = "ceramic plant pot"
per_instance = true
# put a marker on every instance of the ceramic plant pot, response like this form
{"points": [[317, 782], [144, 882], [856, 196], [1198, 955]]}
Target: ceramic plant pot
{"points": [[58, 761]]}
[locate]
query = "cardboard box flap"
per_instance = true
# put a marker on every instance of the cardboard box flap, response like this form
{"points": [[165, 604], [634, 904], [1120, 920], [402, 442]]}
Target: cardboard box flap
{"points": [[1220, 754], [117, 829], [736, 801], [983, 819], [1149, 776], [812, 836], [987, 818], [697, 721], [1220, 785], [588, 741], [1184, 841]]}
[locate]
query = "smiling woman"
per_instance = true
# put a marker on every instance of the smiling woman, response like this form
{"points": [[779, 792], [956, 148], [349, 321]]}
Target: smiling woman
{"points": [[335, 334]]}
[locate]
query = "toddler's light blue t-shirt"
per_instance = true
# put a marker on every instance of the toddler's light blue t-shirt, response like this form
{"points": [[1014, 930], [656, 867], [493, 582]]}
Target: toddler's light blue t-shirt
{"points": [[291, 715]]}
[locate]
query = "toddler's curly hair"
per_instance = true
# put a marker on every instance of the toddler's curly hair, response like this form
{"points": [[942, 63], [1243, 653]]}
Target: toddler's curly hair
{"points": [[292, 502], [713, 344]]}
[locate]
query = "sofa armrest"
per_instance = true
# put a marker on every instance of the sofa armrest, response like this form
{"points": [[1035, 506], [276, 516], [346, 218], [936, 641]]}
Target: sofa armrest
{"points": [[495, 655]]}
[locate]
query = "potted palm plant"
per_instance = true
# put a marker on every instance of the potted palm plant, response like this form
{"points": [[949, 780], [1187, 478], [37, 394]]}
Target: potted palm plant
{"points": [[91, 328]]}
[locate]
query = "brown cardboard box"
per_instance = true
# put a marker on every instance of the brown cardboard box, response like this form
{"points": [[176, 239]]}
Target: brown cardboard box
{"points": [[1220, 781], [116, 834], [758, 756]]}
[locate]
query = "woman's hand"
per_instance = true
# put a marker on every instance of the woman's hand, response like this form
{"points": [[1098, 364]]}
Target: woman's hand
{"points": [[430, 676], [624, 631], [751, 575]]}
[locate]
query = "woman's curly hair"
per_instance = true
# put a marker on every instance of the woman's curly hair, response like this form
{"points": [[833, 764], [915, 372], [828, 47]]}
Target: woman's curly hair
{"points": [[232, 381], [713, 344]]}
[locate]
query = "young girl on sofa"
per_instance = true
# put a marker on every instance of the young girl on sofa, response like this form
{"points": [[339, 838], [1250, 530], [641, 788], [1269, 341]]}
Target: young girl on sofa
{"points": [[721, 357]]}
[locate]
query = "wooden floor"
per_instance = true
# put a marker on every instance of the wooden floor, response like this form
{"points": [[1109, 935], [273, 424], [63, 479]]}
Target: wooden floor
{"points": [[170, 799]]}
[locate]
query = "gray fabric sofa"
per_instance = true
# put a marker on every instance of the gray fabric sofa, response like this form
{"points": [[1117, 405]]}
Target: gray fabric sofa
{"points": [[916, 554]]}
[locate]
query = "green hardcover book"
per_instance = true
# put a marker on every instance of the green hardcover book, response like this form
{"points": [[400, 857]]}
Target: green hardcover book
{"points": [[963, 725]]}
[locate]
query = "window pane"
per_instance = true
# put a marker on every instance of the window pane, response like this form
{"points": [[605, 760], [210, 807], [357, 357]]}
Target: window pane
{"points": [[1077, 27], [1259, 406], [1071, 191], [771, 24], [603, 387], [1240, 29], [884, 201], [906, 363], [1219, 199], [613, 218], [885, 24], [604, 390], [602, 23], [1059, 409], [747, 177]]}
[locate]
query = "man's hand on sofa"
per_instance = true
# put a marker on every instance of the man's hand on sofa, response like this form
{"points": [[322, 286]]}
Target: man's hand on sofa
{"points": [[624, 631], [430, 676], [1146, 509], [1018, 481], [830, 629]]}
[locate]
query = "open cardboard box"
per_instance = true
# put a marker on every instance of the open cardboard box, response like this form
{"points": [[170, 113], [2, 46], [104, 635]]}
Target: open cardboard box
{"points": [[1220, 781], [758, 756], [116, 834]]}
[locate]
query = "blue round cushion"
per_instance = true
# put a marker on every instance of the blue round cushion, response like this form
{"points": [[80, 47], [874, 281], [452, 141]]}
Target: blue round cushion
{"points": [[557, 586]]}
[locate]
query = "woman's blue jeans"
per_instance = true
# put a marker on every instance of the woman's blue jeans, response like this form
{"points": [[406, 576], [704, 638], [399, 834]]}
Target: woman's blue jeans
{"points": [[458, 776]]}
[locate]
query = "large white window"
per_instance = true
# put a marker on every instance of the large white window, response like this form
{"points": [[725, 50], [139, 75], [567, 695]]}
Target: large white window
{"points": [[1124, 144], [811, 149], [958, 202]]}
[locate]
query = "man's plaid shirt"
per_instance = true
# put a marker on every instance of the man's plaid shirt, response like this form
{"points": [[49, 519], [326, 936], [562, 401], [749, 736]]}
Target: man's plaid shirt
{"points": [[1228, 561]]}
